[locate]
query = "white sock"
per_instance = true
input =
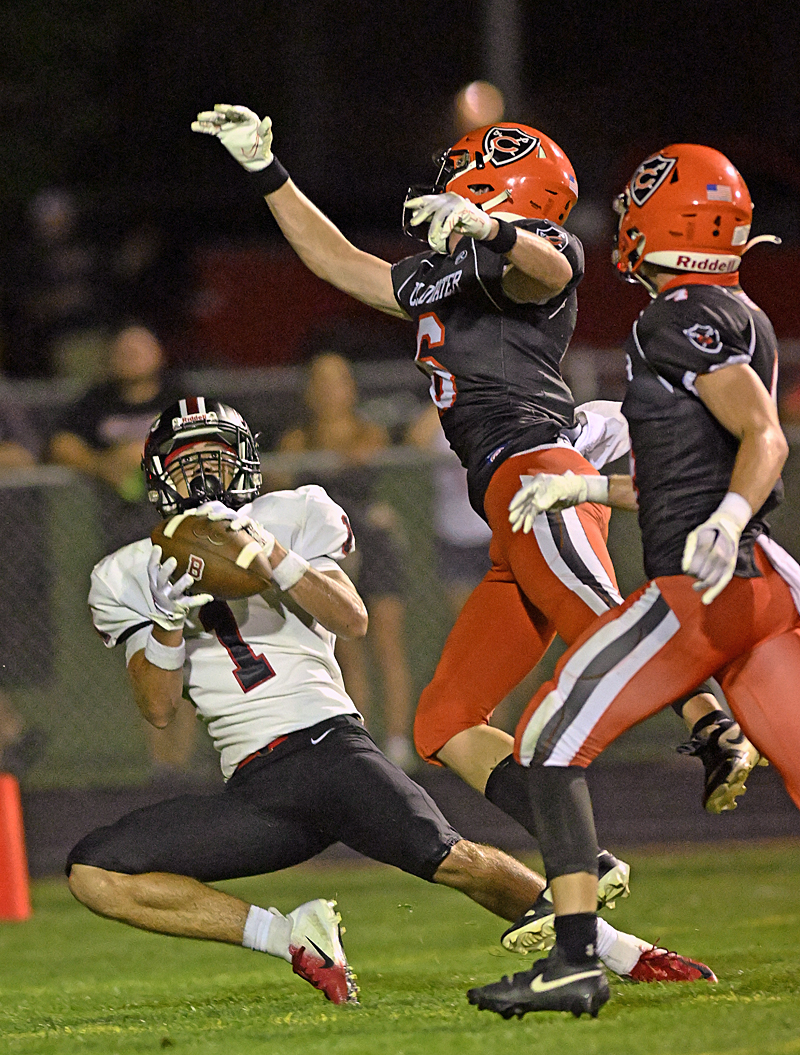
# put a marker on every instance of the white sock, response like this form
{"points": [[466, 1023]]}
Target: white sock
{"points": [[619, 951], [267, 930]]}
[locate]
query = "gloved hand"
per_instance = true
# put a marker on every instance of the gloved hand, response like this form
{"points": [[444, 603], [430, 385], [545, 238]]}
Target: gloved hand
{"points": [[449, 212], [239, 522], [241, 132], [553, 491], [712, 549], [170, 602], [217, 510]]}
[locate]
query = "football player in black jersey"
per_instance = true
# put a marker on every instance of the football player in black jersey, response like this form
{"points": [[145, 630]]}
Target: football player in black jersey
{"points": [[494, 301], [722, 596]]}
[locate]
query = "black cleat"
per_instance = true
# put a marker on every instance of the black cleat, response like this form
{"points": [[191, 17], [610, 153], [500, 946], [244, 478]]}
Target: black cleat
{"points": [[728, 758], [535, 931], [550, 985]]}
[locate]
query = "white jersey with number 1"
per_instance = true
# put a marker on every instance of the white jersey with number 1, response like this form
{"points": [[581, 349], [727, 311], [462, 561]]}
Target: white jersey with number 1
{"points": [[256, 668]]}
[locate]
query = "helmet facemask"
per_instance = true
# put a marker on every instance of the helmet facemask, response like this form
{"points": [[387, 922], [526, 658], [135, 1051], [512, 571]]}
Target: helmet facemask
{"points": [[192, 458]]}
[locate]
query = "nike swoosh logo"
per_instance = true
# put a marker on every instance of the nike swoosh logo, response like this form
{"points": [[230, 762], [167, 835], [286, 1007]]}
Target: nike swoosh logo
{"points": [[322, 737], [327, 961], [539, 985]]}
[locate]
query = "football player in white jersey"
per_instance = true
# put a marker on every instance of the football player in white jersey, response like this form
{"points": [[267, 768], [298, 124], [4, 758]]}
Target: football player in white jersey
{"points": [[301, 770]]}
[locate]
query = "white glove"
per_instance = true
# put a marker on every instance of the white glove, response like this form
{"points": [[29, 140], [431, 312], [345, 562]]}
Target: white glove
{"points": [[712, 548], [241, 132], [553, 491], [217, 510], [449, 212], [170, 601]]}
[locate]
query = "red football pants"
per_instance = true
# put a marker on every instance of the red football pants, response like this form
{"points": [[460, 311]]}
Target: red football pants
{"points": [[556, 579], [659, 645]]}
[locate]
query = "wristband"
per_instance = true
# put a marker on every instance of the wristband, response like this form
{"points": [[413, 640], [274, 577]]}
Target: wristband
{"points": [[736, 508], [597, 489], [290, 571], [269, 179], [504, 240], [167, 657]]}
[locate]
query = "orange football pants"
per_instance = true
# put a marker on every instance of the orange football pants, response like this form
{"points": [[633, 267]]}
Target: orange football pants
{"points": [[555, 580], [662, 642]]}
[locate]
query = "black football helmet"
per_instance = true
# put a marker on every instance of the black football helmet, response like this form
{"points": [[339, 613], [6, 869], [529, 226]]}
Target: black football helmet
{"points": [[170, 454]]}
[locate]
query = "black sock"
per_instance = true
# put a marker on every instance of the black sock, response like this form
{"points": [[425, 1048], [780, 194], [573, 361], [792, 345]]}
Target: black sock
{"points": [[576, 937], [507, 788], [715, 717]]}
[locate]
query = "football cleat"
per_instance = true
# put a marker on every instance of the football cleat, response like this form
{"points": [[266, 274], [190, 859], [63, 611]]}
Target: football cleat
{"points": [[550, 985], [315, 945], [535, 931], [728, 758], [660, 965]]}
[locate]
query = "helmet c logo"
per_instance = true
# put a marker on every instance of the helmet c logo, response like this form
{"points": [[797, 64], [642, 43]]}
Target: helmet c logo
{"points": [[504, 145], [649, 176]]}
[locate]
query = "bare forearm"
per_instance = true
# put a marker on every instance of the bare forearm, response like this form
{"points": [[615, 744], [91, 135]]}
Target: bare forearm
{"points": [[328, 254], [758, 465], [157, 692], [622, 493], [539, 270], [328, 597]]}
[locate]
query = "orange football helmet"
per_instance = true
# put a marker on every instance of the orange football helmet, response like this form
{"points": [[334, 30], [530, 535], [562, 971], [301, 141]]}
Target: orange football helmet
{"points": [[685, 208], [509, 168]]}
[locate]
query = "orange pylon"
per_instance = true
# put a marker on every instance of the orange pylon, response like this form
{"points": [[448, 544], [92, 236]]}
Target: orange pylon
{"points": [[15, 900]]}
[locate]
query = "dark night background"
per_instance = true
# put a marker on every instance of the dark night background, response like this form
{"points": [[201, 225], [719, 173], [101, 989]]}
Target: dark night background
{"points": [[99, 98]]}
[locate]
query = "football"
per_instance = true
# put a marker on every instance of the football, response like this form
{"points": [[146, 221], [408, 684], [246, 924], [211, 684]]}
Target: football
{"points": [[227, 564]]}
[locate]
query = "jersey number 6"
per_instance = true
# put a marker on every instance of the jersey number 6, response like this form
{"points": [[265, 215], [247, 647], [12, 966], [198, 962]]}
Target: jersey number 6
{"points": [[430, 334]]}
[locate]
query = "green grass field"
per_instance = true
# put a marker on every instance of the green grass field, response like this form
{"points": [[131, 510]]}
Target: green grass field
{"points": [[70, 982]]}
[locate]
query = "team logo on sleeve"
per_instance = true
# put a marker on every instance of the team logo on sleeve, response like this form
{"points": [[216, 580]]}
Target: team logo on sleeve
{"points": [[649, 176], [504, 145], [554, 235], [704, 338]]}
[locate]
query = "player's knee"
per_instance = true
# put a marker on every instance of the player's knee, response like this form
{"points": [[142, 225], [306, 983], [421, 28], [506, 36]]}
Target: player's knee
{"points": [[94, 887], [462, 866], [435, 722]]}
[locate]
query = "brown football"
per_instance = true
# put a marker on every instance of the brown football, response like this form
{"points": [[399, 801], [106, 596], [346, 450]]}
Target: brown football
{"points": [[208, 550]]}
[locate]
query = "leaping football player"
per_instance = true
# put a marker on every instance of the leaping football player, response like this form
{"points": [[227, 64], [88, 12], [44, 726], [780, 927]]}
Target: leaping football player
{"points": [[494, 302]]}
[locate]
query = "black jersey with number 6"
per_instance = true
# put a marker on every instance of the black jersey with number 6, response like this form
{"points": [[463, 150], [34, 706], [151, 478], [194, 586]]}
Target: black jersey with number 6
{"points": [[683, 456], [494, 364]]}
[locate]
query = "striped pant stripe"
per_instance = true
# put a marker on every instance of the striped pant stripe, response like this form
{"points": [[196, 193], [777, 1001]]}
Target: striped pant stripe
{"points": [[569, 555], [592, 678]]}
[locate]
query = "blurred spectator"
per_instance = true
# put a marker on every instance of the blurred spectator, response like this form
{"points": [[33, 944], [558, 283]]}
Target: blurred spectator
{"points": [[334, 425], [20, 446], [21, 747], [57, 307], [461, 537], [102, 435], [22, 595]]}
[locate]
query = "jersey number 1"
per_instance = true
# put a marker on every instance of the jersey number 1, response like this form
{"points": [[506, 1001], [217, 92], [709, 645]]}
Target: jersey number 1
{"points": [[249, 669]]}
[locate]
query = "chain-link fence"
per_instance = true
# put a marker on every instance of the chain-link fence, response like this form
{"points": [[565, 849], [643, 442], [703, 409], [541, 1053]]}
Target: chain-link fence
{"points": [[54, 525]]}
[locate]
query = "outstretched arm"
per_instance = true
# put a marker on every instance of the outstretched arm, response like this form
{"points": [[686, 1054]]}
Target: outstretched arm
{"points": [[319, 243], [547, 491]]}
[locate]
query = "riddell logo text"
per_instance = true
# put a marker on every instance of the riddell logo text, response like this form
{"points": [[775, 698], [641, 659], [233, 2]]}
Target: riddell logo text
{"points": [[696, 263]]}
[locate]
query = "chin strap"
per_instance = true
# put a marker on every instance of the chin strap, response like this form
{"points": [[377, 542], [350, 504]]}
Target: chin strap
{"points": [[497, 200], [762, 238]]}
